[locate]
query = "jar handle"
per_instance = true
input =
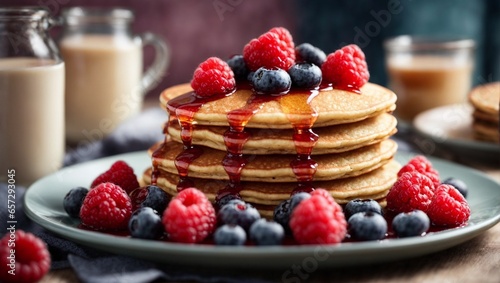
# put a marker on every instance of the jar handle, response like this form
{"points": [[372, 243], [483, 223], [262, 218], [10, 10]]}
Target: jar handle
{"points": [[153, 75]]}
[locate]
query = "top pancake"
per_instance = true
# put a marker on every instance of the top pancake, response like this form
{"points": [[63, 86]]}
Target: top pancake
{"points": [[333, 106], [486, 98], [333, 139]]}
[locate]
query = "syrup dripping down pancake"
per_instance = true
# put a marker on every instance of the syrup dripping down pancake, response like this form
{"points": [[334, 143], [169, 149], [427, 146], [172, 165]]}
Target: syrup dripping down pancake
{"points": [[332, 139], [276, 168], [333, 106]]}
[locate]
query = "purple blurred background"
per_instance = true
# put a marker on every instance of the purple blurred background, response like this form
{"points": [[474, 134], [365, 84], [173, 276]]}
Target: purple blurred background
{"points": [[193, 29]]}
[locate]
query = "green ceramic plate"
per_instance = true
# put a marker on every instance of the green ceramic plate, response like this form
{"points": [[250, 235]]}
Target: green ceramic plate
{"points": [[43, 202]]}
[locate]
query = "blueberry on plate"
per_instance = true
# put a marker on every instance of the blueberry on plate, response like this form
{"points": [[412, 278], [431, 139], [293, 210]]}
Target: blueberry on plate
{"points": [[367, 226], [281, 215], [271, 81], [238, 212], [266, 233], [230, 235], [458, 184], [73, 201], [219, 203], [145, 223], [410, 224], [361, 205], [150, 196], [305, 75], [297, 198], [308, 53]]}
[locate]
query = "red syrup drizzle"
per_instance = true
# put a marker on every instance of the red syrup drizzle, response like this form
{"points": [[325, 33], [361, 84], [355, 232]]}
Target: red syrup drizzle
{"points": [[183, 108], [297, 106], [235, 138]]}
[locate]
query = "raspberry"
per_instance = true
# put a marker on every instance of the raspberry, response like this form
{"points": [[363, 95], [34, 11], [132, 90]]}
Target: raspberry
{"points": [[273, 49], [411, 191], [448, 207], [458, 184], [318, 220], [213, 77], [190, 217], [346, 68], [324, 193], [32, 259], [422, 165], [121, 174], [106, 207]]}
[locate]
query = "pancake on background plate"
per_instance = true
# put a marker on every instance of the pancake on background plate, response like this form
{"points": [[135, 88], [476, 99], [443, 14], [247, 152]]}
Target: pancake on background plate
{"points": [[486, 102]]}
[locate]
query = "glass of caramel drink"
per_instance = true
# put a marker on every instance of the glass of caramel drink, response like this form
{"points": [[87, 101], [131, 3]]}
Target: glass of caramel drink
{"points": [[428, 72]]}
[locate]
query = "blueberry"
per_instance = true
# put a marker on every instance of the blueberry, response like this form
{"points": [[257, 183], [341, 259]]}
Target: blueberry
{"points": [[271, 81], [282, 215], [73, 201], [308, 53], [265, 233], [250, 76], [230, 235], [238, 66], [238, 212], [145, 223], [305, 75], [150, 196], [298, 198], [367, 226], [225, 199], [458, 184], [409, 224], [361, 205]]}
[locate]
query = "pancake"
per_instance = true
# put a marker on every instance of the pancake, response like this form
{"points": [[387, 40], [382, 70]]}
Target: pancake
{"points": [[333, 106], [485, 117], [486, 98], [276, 168], [265, 196], [332, 139], [486, 131]]}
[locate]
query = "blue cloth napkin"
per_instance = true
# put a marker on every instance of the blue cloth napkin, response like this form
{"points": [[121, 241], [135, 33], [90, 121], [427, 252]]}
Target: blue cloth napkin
{"points": [[94, 266]]}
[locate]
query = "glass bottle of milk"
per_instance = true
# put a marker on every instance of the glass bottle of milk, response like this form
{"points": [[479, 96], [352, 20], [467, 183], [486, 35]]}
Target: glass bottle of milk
{"points": [[105, 82], [31, 97]]}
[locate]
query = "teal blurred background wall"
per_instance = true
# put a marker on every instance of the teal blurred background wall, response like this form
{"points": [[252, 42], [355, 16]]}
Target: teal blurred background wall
{"points": [[198, 29]]}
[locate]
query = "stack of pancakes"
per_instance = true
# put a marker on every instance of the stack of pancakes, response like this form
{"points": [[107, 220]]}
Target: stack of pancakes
{"points": [[353, 152], [486, 99]]}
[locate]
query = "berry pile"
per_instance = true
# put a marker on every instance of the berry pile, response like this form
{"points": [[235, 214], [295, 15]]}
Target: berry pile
{"points": [[418, 189], [272, 64], [414, 203]]}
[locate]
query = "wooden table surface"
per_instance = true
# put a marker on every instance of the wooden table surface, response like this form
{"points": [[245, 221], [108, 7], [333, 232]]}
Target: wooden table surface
{"points": [[477, 260]]}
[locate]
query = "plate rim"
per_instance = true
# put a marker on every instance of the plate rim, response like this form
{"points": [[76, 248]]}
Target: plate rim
{"points": [[461, 143], [89, 238]]}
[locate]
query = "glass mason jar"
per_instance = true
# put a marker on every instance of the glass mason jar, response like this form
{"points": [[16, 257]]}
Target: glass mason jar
{"points": [[105, 83], [31, 96]]}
